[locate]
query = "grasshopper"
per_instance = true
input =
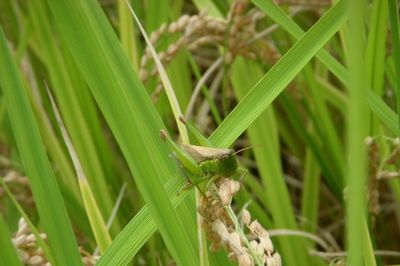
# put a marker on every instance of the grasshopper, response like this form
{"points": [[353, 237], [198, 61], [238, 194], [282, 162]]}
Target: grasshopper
{"points": [[204, 162]]}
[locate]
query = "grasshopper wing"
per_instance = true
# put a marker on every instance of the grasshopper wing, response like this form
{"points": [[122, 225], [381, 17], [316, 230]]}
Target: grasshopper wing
{"points": [[201, 153]]}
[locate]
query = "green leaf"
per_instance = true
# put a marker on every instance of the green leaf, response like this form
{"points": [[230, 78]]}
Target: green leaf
{"points": [[264, 132], [357, 131], [222, 137], [279, 76], [36, 165], [8, 254], [383, 111], [376, 52], [68, 89], [99, 228], [277, 14], [395, 30], [97, 223], [310, 195], [35, 231], [138, 230], [131, 116], [273, 11]]}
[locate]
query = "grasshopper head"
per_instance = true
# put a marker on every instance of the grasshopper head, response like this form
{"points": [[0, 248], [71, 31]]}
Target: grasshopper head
{"points": [[227, 165]]}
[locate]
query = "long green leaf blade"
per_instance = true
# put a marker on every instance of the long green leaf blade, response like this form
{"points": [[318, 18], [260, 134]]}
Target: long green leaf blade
{"points": [[357, 130], [223, 141], [277, 14], [270, 8], [395, 30], [100, 231], [275, 81], [130, 115], [264, 132], [8, 254], [383, 111], [376, 52], [137, 231], [44, 187], [65, 89]]}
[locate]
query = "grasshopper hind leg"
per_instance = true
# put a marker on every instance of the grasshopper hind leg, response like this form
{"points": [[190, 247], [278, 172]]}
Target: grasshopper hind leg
{"points": [[182, 172], [181, 168], [189, 182]]}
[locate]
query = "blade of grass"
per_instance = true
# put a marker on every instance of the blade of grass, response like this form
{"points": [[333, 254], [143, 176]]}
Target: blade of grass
{"points": [[28, 221], [65, 174], [124, 247], [313, 144], [286, 132], [383, 111], [357, 130], [182, 82], [310, 194], [44, 186], [277, 14], [395, 30], [65, 87], [390, 71], [263, 132], [333, 95], [131, 116], [8, 254], [173, 101], [375, 60], [126, 244], [275, 81], [180, 64], [98, 225], [205, 91], [368, 248], [324, 125], [135, 234], [209, 6], [127, 34], [95, 124], [156, 13], [376, 52], [274, 11], [11, 28]]}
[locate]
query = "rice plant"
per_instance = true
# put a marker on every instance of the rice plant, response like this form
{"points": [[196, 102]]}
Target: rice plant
{"points": [[229, 132]]}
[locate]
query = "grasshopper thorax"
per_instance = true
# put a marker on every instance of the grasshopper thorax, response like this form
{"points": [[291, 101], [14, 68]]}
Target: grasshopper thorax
{"points": [[227, 165], [223, 165]]}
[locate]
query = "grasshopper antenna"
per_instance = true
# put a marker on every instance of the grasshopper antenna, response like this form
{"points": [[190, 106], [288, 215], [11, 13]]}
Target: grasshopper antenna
{"points": [[246, 148]]}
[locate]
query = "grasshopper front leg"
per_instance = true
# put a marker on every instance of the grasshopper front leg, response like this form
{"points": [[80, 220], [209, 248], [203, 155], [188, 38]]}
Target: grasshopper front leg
{"points": [[186, 162], [181, 168], [243, 172]]}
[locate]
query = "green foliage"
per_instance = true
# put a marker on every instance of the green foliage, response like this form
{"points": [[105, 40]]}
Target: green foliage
{"points": [[45, 190], [8, 252], [316, 97]]}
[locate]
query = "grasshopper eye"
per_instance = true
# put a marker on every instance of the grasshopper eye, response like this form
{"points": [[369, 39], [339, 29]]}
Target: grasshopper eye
{"points": [[227, 165], [222, 158]]}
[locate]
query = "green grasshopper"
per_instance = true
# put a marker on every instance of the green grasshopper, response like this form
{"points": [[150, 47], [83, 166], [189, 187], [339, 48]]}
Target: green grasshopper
{"points": [[203, 161]]}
